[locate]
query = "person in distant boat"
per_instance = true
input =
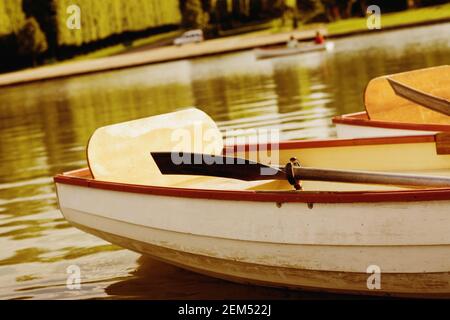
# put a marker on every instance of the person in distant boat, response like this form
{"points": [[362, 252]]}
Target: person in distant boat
{"points": [[292, 43], [319, 38]]}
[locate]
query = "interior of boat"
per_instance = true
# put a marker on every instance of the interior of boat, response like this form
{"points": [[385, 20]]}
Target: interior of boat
{"points": [[121, 154]]}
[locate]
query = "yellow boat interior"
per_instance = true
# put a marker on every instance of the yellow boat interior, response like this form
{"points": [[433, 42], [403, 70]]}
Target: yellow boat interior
{"points": [[120, 154], [413, 155]]}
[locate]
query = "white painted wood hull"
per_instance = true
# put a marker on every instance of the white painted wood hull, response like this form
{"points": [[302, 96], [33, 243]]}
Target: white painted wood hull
{"points": [[324, 246]]}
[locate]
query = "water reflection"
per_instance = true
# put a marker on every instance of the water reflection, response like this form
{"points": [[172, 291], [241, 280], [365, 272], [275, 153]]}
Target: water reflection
{"points": [[156, 280], [45, 127]]}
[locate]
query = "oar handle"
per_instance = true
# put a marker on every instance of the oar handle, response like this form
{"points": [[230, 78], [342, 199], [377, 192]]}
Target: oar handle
{"points": [[367, 177]]}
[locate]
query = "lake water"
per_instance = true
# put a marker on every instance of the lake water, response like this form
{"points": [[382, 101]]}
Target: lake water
{"points": [[44, 128]]}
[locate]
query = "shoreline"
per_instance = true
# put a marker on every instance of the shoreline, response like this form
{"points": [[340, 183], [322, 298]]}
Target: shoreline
{"points": [[390, 28], [172, 53]]}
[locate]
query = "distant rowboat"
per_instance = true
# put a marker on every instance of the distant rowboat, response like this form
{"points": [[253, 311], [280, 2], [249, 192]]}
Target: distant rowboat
{"points": [[330, 237], [272, 52]]}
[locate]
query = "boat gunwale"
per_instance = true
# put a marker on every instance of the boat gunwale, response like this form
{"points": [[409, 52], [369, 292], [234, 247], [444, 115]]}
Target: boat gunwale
{"points": [[80, 178], [330, 143], [362, 119]]}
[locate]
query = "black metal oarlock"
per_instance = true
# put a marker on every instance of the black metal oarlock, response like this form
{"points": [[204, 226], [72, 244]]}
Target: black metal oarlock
{"points": [[290, 173]]}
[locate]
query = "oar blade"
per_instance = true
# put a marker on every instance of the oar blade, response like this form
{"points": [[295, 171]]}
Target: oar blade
{"points": [[184, 163], [120, 152]]}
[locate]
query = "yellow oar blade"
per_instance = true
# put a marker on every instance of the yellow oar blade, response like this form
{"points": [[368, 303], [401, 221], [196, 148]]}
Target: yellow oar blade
{"points": [[383, 104], [121, 152]]}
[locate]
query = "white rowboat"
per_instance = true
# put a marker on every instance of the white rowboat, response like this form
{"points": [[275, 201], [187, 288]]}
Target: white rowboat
{"points": [[329, 237], [264, 53]]}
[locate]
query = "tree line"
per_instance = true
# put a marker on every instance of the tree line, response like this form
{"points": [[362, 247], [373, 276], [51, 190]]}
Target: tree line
{"points": [[224, 14], [32, 31]]}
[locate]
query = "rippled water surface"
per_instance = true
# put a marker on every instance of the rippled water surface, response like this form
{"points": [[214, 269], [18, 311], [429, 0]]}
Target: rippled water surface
{"points": [[44, 128]]}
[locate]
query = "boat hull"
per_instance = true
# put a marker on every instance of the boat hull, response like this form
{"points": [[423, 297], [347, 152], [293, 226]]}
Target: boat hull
{"points": [[431, 285], [293, 245], [280, 52], [358, 125]]}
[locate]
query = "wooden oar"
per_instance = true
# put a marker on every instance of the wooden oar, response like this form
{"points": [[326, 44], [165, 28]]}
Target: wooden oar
{"points": [[384, 104], [424, 99], [236, 168]]}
